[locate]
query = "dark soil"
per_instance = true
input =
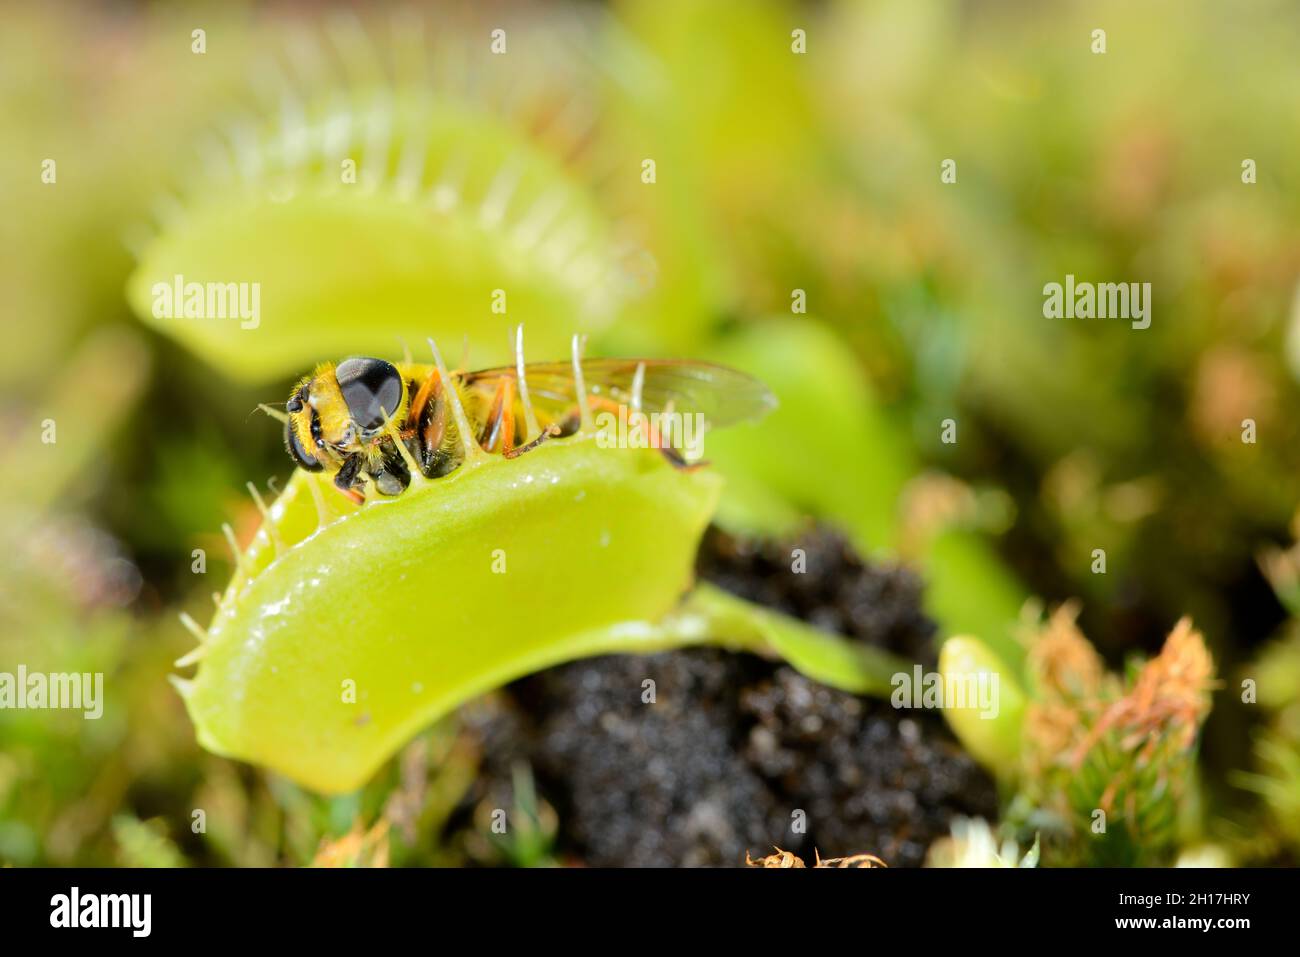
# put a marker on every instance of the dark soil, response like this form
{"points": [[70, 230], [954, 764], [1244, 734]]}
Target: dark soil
{"points": [[736, 753]]}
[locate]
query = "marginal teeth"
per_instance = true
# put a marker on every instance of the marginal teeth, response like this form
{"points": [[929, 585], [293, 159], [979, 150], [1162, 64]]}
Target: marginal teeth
{"points": [[272, 533], [236, 553], [322, 516], [195, 655], [473, 453], [193, 627], [530, 418], [584, 410], [191, 658]]}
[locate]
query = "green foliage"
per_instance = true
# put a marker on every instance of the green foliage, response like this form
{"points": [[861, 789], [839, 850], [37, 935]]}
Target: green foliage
{"points": [[530, 831], [1275, 775], [1111, 760], [993, 739], [420, 603], [145, 844], [830, 423], [421, 240], [346, 629], [775, 172]]}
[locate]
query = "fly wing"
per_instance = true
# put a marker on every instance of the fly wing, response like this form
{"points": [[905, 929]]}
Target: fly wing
{"points": [[723, 395]]}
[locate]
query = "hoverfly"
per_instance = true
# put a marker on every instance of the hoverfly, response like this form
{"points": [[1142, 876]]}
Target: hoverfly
{"points": [[347, 419]]}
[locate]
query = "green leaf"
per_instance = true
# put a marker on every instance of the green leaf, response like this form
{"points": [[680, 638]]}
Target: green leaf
{"points": [[993, 739], [827, 450], [832, 660], [348, 629], [424, 601], [831, 451], [345, 267]]}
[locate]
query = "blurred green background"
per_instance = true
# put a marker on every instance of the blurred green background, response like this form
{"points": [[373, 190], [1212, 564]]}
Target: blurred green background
{"points": [[796, 226]]}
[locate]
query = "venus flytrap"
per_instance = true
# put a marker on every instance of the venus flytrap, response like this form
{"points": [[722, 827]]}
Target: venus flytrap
{"points": [[361, 212], [367, 212], [397, 601]]}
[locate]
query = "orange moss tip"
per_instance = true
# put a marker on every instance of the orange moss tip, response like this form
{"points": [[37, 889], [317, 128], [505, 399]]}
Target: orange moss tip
{"points": [[357, 848], [1168, 701], [1062, 663]]}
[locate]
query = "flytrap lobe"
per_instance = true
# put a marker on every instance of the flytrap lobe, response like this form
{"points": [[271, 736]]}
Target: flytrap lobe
{"points": [[379, 184], [486, 528]]}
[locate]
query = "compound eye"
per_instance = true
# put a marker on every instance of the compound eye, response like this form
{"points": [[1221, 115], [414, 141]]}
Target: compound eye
{"points": [[298, 399], [372, 389], [297, 452]]}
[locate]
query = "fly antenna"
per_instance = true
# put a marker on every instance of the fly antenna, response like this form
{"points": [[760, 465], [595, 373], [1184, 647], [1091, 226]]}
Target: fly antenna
{"points": [[273, 412]]}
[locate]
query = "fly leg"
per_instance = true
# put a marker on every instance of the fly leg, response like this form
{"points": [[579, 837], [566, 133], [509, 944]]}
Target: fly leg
{"points": [[499, 429], [345, 479], [426, 427], [550, 432], [389, 470]]}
